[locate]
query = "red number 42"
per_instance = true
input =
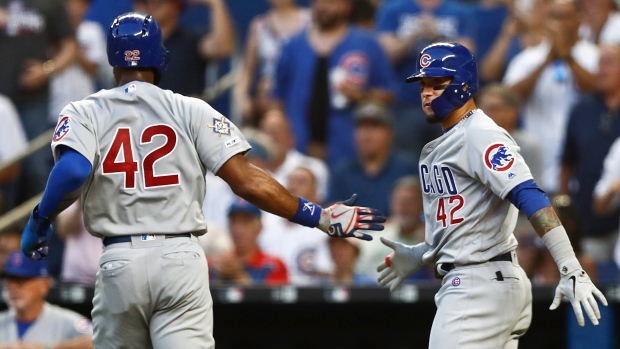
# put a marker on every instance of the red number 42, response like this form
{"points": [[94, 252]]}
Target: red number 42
{"points": [[455, 203], [128, 166]]}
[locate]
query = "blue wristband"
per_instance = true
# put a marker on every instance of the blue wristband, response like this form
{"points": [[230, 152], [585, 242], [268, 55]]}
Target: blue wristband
{"points": [[307, 214]]}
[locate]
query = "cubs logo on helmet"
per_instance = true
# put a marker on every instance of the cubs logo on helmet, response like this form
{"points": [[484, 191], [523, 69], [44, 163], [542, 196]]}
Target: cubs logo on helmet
{"points": [[497, 157], [62, 129], [425, 60]]}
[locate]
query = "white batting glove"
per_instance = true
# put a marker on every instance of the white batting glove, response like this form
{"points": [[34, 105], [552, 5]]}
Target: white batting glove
{"points": [[399, 265], [341, 220], [575, 284]]}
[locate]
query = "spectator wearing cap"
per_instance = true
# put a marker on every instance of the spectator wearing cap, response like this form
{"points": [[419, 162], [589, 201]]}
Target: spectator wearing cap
{"points": [[31, 322], [9, 242], [247, 264], [377, 167]]}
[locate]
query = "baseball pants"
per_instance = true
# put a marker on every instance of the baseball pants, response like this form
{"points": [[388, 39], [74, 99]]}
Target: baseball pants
{"points": [[153, 294], [482, 306]]}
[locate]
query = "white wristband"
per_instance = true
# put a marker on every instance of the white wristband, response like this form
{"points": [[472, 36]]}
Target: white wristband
{"points": [[559, 246]]}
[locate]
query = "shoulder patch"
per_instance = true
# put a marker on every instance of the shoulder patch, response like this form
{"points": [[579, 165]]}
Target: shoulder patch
{"points": [[63, 127], [221, 126], [83, 325], [497, 157]]}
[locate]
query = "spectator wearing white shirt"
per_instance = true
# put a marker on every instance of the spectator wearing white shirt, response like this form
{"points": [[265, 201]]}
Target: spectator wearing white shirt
{"points": [[607, 193], [549, 77]]}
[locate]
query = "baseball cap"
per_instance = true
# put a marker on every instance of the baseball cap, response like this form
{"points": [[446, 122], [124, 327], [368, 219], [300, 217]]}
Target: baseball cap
{"points": [[240, 205], [373, 111], [17, 264]]}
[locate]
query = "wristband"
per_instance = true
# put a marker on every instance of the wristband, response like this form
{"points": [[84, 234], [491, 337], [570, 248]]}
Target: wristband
{"points": [[308, 213], [559, 246]]}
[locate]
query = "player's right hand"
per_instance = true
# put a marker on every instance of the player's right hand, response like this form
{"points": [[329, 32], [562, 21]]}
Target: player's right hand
{"points": [[343, 220], [399, 265], [35, 236], [575, 284]]}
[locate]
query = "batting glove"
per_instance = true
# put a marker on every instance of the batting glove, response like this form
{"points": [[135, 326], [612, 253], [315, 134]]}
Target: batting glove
{"points": [[575, 284], [35, 236], [399, 265], [342, 220]]}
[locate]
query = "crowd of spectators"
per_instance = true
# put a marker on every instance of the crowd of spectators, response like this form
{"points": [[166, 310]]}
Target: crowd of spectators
{"points": [[320, 97]]}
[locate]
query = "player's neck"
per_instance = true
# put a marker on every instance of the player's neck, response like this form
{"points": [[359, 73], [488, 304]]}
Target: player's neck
{"points": [[30, 314], [457, 114], [127, 76]]}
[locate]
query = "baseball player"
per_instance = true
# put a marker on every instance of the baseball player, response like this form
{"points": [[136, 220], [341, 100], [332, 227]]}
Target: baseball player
{"points": [[473, 182], [138, 155]]}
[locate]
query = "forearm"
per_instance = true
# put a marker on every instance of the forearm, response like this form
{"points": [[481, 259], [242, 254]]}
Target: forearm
{"points": [[395, 48], [493, 63], [585, 80], [84, 342], [544, 220], [565, 174], [604, 204], [258, 187], [65, 56], [525, 87], [220, 43]]}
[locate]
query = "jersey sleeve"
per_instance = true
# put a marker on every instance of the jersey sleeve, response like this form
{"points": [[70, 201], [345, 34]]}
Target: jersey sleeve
{"points": [[75, 131], [217, 139], [493, 157]]}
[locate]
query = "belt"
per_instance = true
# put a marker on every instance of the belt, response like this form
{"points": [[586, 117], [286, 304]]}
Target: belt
{"points": [[127, 238], [443, 268]]}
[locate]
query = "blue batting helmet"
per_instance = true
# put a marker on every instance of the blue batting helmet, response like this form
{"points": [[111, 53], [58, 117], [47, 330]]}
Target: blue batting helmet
{"points": [[135, 41], [448, 59]]}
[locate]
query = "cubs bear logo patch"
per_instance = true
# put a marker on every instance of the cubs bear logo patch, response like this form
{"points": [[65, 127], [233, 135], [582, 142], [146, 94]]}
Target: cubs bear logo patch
{"points": [[497, 157], [62, 129]]}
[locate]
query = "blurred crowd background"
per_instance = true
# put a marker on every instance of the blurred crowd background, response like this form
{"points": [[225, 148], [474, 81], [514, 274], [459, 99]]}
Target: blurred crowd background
{"points": [[317, 87]]}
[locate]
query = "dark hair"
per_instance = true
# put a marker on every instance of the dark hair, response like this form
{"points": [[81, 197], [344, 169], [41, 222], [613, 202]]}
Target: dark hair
{"points": [[362, 10]]}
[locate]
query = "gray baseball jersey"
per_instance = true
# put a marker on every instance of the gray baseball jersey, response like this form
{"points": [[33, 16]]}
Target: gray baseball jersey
{"points": [[466, 174], [55, 324], [150, 149]]}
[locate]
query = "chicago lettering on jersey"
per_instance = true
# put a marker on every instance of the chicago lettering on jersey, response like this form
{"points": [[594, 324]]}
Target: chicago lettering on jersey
{"points": [[439, 180]]}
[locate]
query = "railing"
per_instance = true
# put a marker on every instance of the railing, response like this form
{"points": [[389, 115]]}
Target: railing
{"points": [[22, 211]]}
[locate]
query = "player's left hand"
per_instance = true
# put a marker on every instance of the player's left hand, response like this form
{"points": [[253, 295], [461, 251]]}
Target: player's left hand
{"points": [[343, 220], [400, 264], [575, 284], [35, 236]]}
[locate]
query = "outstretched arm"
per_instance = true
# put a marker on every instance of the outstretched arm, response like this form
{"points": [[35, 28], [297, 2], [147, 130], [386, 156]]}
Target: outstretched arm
{"points": [[256, 186], [575, 284]]}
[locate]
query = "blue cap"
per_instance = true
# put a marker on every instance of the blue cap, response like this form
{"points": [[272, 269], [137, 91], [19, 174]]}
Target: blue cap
{"points": [[240, 205], [17, 264]]}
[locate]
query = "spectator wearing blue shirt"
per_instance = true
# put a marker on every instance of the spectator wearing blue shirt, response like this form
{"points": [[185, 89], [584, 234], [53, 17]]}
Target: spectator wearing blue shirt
{"points": [[377, 167], [322, 73], [404, 28]]}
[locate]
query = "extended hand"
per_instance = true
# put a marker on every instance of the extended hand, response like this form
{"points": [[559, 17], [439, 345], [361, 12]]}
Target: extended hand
{"points": [[399, 265], [575, 284], [35, 236], [342, 220]]}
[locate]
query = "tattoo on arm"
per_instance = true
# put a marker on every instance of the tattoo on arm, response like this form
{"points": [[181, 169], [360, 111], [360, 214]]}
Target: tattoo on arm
{"points": [[544, 220]]}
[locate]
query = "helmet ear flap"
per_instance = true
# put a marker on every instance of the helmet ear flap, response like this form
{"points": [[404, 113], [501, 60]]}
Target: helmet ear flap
{"points": [[448, 59]]}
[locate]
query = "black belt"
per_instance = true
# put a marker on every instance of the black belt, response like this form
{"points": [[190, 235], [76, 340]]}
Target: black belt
{"points": [[127, 238], [446, 267]]}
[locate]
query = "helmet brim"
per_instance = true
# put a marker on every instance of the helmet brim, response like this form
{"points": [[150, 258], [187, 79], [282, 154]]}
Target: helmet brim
{"points": [[429, 73]]}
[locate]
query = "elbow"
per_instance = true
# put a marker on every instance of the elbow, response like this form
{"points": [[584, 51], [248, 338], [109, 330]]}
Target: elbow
{"points": [[600, 207]]}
